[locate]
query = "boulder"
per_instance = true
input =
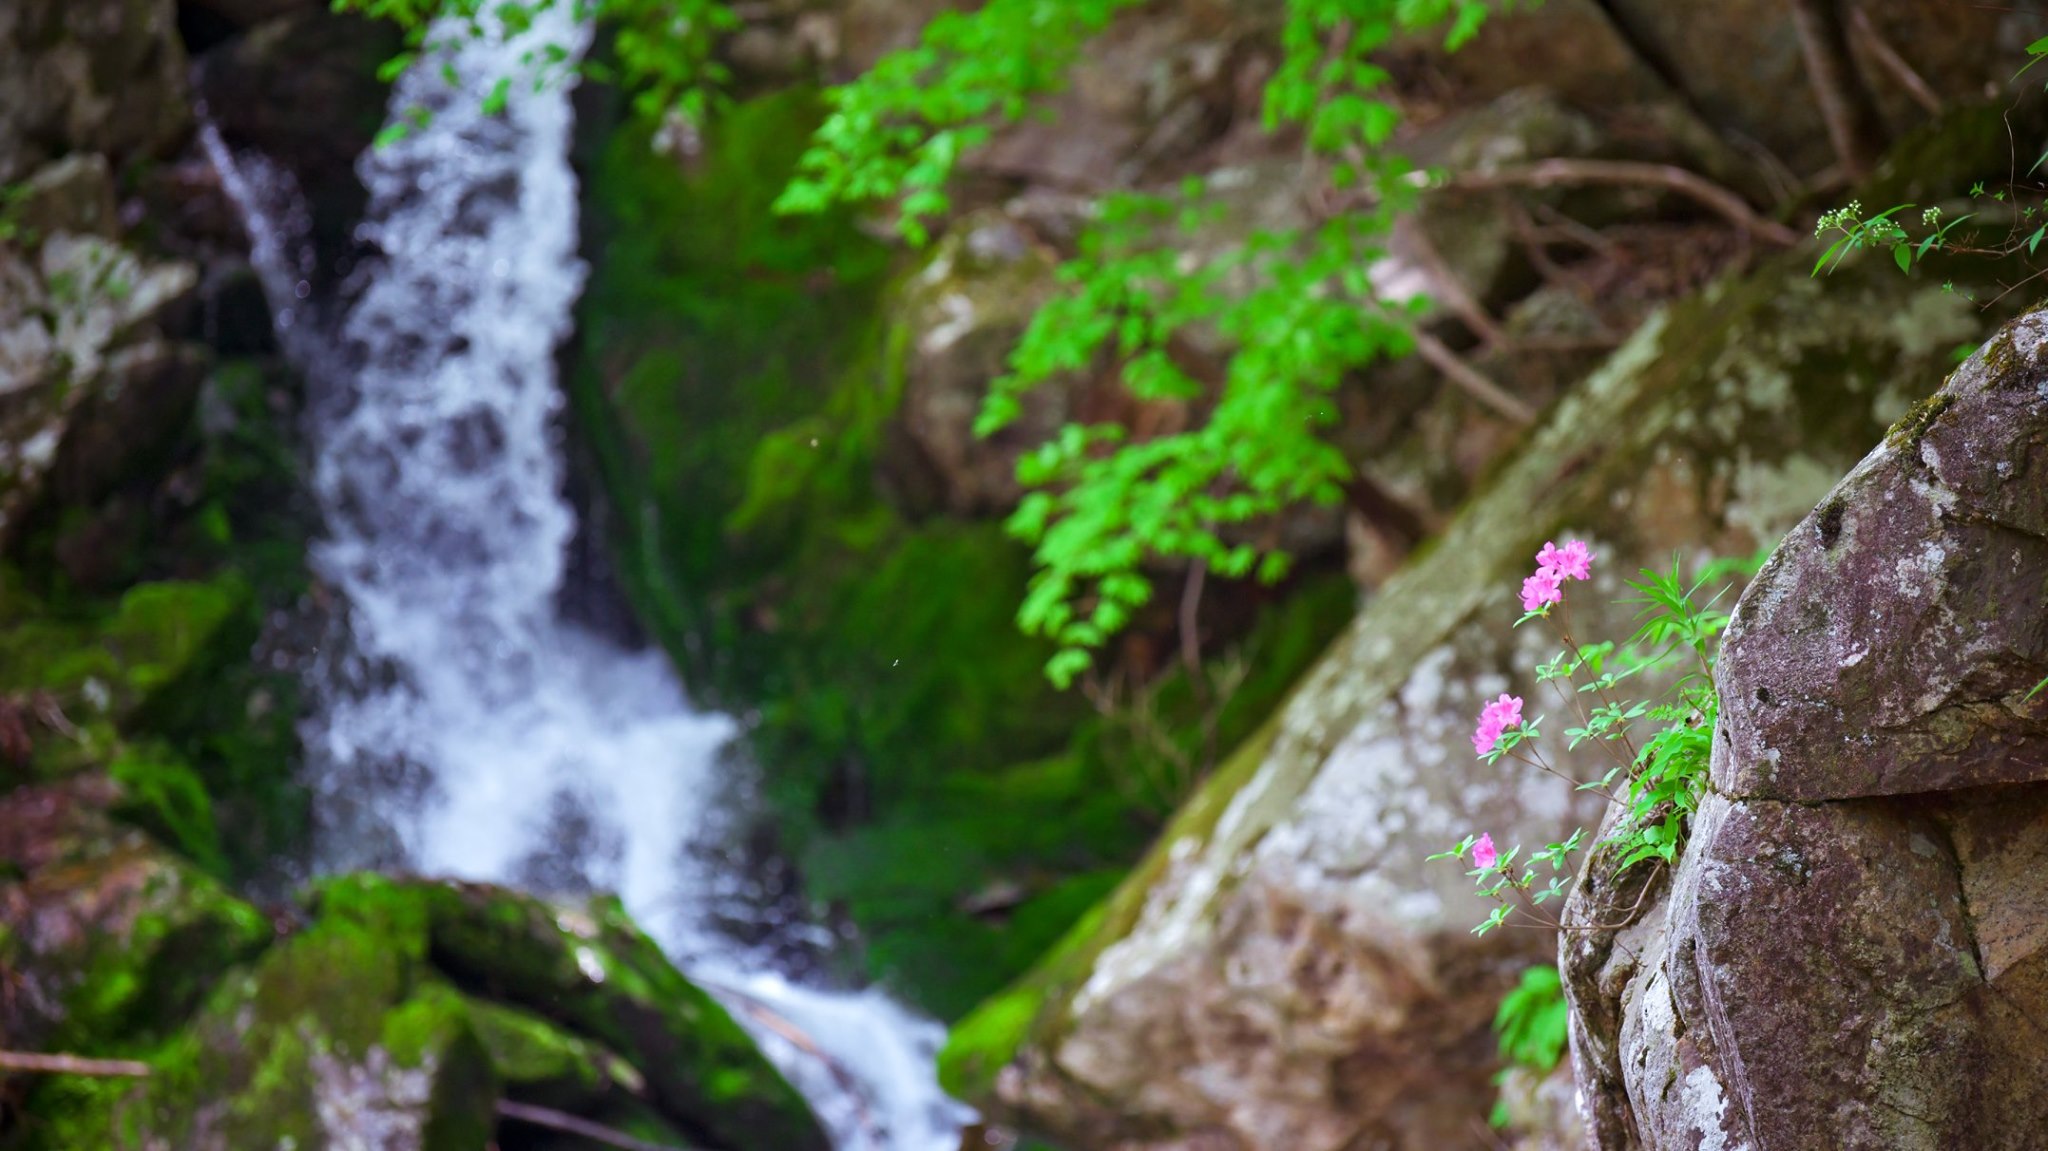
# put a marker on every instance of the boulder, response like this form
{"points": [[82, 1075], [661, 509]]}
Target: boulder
{"points": [[86, 381], [88, 76], [1285, 971], [1851, 954], [594, 972], [956, 318]]}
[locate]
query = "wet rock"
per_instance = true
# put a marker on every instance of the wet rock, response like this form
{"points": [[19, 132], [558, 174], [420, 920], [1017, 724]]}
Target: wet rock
{"points": [[593, 971], [300, 95], [102, 76], [1285, 971], [84, 376], [1850, 952]]}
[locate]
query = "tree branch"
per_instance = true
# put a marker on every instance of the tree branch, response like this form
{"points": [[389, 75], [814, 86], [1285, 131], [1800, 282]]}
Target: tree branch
{"points": [[1874, 42], [1550, 173], [569, 1124], [72, 1065], [1845, 104], [1444, 360]]}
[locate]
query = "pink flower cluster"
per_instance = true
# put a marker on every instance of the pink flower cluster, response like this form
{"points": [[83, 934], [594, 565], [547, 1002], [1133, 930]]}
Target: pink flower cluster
{"points": [[1495, 718], [1484, 855], [1554, 565]]}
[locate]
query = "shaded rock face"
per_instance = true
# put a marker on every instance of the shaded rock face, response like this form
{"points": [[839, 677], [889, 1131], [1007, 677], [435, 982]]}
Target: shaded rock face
{"points": [[1734, 63], [89, 380], [88, 75], [1852, 951], [1285, 971], [301, 91]]}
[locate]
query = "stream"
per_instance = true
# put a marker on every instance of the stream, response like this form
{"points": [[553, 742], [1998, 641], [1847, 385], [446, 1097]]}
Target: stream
{"points": [[466, 726]]}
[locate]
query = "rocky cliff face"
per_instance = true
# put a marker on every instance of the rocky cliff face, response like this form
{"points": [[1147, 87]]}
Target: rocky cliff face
{"points": [[1851, 949]]}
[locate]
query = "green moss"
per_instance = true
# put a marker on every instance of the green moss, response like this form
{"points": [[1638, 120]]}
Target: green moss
{"points": [[527, 1050], [1033, 1006], [1905, 434], [593, 972], [164, 796]]}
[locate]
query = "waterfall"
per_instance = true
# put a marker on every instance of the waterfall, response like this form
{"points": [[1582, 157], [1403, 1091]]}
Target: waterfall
{"points": [[463, 727]]}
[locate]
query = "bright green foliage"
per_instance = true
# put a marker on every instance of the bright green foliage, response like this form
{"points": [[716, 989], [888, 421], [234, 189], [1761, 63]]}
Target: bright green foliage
{"points": [[1531, 1020], [662, 48], [1096, 515], [1533, 1023], [896, 132], [1104, 505]]}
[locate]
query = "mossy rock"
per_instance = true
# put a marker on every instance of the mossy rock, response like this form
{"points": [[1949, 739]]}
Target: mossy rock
{"points": [[108, 939], [591, 971], [335, 1039]]}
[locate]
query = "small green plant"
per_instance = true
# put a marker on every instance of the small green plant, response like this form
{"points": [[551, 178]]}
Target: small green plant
{"points": [[1892, 230], [1658, 783], [1533, 1024]]}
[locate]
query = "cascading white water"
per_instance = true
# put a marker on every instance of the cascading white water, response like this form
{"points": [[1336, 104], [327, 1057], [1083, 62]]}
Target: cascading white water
{"points": [[468, 723]]}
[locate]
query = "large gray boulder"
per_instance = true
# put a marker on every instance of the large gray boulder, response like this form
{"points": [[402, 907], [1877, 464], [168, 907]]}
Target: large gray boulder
{"points": [[1852, 954], [1285, 971]]}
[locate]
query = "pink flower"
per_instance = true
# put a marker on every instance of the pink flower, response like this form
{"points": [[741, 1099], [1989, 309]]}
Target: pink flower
{"points": [[1572, 561], [1483, 854], [1495, 718], [1542, 589]]}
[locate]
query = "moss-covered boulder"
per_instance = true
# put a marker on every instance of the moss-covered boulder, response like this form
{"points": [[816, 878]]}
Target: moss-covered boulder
{"points": [[1285, 970], [102, 933], [597, 974], [377, 1013]]}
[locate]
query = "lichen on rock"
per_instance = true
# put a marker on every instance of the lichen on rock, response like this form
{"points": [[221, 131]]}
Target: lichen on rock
{"points": [[1847, 955]]}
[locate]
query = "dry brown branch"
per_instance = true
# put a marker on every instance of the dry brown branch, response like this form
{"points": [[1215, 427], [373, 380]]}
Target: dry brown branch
{"points": [[1450, 290], [73, 1065], [1555, 172], [1191, 619], [1880, 49], [1475, 383], [569, 1124], [1845, 105]]}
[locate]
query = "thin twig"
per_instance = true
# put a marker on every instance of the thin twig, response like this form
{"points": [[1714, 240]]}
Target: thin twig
{"points": [[1874, 42], [1553, 172], [73, 1065], [1444, 360], [1845, 105], [569, 1124], [1450, 291], [1190, 621]]}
